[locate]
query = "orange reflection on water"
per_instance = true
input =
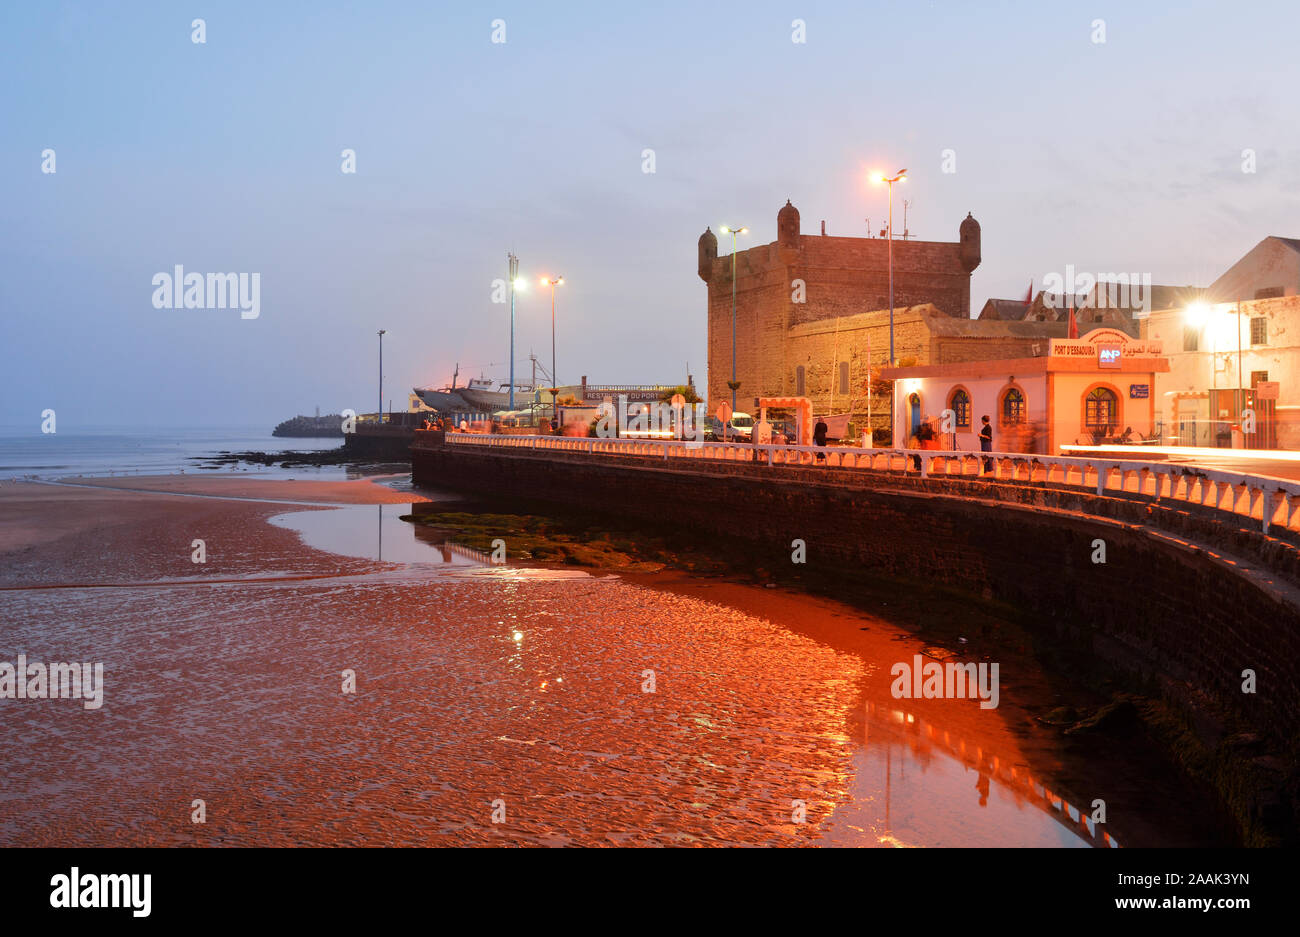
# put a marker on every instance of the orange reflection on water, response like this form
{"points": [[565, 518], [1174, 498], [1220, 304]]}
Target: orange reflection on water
{"points": [[910, 789]]}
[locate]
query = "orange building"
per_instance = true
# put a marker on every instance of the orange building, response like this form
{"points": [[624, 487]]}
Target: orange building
{"points": [[1083, 389]]}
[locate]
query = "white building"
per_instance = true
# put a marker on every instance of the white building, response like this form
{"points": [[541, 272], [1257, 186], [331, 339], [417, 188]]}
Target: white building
{"points": [[1219, 355], [1269, 270], [1244, 332]]}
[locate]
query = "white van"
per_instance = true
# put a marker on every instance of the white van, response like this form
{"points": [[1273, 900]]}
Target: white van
{"points": [[741, 427]]}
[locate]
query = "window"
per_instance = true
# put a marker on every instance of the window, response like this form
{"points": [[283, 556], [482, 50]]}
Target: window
{"points": [[1191, 338], [1099, 408], [1271, 292], [960, 406], [799, 382], [1013, 407], [1257, 376], [1258, 330], [844, 377]]}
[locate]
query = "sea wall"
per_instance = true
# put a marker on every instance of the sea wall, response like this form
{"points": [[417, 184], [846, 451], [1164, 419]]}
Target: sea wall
{"points": [[390, 443]]}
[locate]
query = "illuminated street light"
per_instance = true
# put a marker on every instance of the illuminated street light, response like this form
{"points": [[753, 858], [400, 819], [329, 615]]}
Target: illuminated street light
{"points": [[733, 233], [555, 381], [515, 283], [879, 177]]}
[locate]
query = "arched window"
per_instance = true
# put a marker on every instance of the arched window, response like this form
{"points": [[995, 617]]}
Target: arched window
{"points": [[799, 382], [1100, 408], [1013, 406], [959, 403]]}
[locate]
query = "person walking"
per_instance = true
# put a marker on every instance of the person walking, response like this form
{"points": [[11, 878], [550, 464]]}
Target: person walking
{"points": [[819, 437], [924, 439], [986, 441]]}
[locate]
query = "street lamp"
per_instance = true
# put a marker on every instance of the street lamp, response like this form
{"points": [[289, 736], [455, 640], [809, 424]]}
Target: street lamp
{"points": [[555, 382], [381, 374], [900, 177], [1198, 314], [733, 232], [514, 276]]}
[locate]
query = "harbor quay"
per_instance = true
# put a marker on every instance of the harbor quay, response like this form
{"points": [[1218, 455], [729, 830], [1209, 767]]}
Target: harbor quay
{"points": [[1190, 595]]}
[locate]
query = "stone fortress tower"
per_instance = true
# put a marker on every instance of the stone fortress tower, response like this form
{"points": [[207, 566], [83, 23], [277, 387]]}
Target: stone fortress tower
{"points": [[806, 307]]}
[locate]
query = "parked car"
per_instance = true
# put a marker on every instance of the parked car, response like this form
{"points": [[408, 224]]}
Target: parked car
{"points": [[740, 428]]}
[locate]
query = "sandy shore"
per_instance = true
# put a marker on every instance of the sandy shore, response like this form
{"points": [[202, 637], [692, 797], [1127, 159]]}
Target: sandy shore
{"points": [[232, 693], [104, 530], [496, 688]]}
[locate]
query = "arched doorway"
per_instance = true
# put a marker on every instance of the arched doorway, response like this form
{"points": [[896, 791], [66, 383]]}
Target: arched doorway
{"points": [[914, 413]]}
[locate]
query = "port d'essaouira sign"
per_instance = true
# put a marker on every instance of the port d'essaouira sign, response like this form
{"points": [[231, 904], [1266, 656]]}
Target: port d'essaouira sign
{"points": [[1105, 346]]}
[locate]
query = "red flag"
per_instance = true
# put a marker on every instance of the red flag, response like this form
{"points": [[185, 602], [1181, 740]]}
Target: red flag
{"points": [[1074, 323], [1029, 297]]}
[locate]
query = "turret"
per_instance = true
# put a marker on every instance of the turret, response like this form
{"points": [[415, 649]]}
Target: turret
{"points": [[787, 226], [708, 253], [969, 251]]}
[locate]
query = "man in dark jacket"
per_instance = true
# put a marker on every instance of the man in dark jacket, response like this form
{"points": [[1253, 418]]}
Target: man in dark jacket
{"points": [[819, 437], [986, 441]]}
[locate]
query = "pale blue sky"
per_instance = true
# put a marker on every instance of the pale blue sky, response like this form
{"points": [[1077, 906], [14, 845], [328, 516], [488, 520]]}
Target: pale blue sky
{"points": [[226, 157]]}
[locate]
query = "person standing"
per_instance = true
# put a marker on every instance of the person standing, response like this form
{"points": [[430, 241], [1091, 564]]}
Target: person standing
{"points": [[986, 441], [820, 432], [924, 439]]}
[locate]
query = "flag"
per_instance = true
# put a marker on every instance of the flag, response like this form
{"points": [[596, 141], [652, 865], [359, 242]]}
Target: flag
{"points": [[1074, 323], [1029, 297]]}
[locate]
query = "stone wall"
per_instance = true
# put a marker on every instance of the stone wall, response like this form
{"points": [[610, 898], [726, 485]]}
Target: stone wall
{"points": [[954, 349], [390, 443], [841, 276]]}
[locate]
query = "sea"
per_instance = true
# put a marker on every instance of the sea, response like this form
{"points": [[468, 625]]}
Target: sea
{"points": [[113, 451]]}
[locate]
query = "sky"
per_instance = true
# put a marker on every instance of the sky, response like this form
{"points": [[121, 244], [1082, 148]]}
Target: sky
{"points": [[227, 156]]}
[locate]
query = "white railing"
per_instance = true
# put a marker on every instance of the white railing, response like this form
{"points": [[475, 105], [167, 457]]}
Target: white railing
{"points": [[1270, 501]]}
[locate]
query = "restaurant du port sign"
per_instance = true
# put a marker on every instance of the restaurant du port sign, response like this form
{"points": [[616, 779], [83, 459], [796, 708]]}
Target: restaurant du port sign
{"points": [[1107, 347]]}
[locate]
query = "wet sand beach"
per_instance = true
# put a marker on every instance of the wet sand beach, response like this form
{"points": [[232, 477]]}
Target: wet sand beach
{"points": [[482, 693]]}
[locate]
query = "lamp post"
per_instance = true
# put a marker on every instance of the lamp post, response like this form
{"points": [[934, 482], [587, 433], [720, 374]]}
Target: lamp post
{"points": [[1240, 395], [1198, 315], [381, 374], [514, 273], [733, 232], [901, 176], [553, 282]]}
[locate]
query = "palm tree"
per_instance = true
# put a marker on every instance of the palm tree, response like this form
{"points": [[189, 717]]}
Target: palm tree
{"points": [[685, 390]]}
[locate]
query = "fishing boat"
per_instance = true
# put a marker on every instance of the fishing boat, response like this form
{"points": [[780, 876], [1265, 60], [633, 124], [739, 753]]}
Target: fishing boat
{"points": [[444, 399], [478, 393]]}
